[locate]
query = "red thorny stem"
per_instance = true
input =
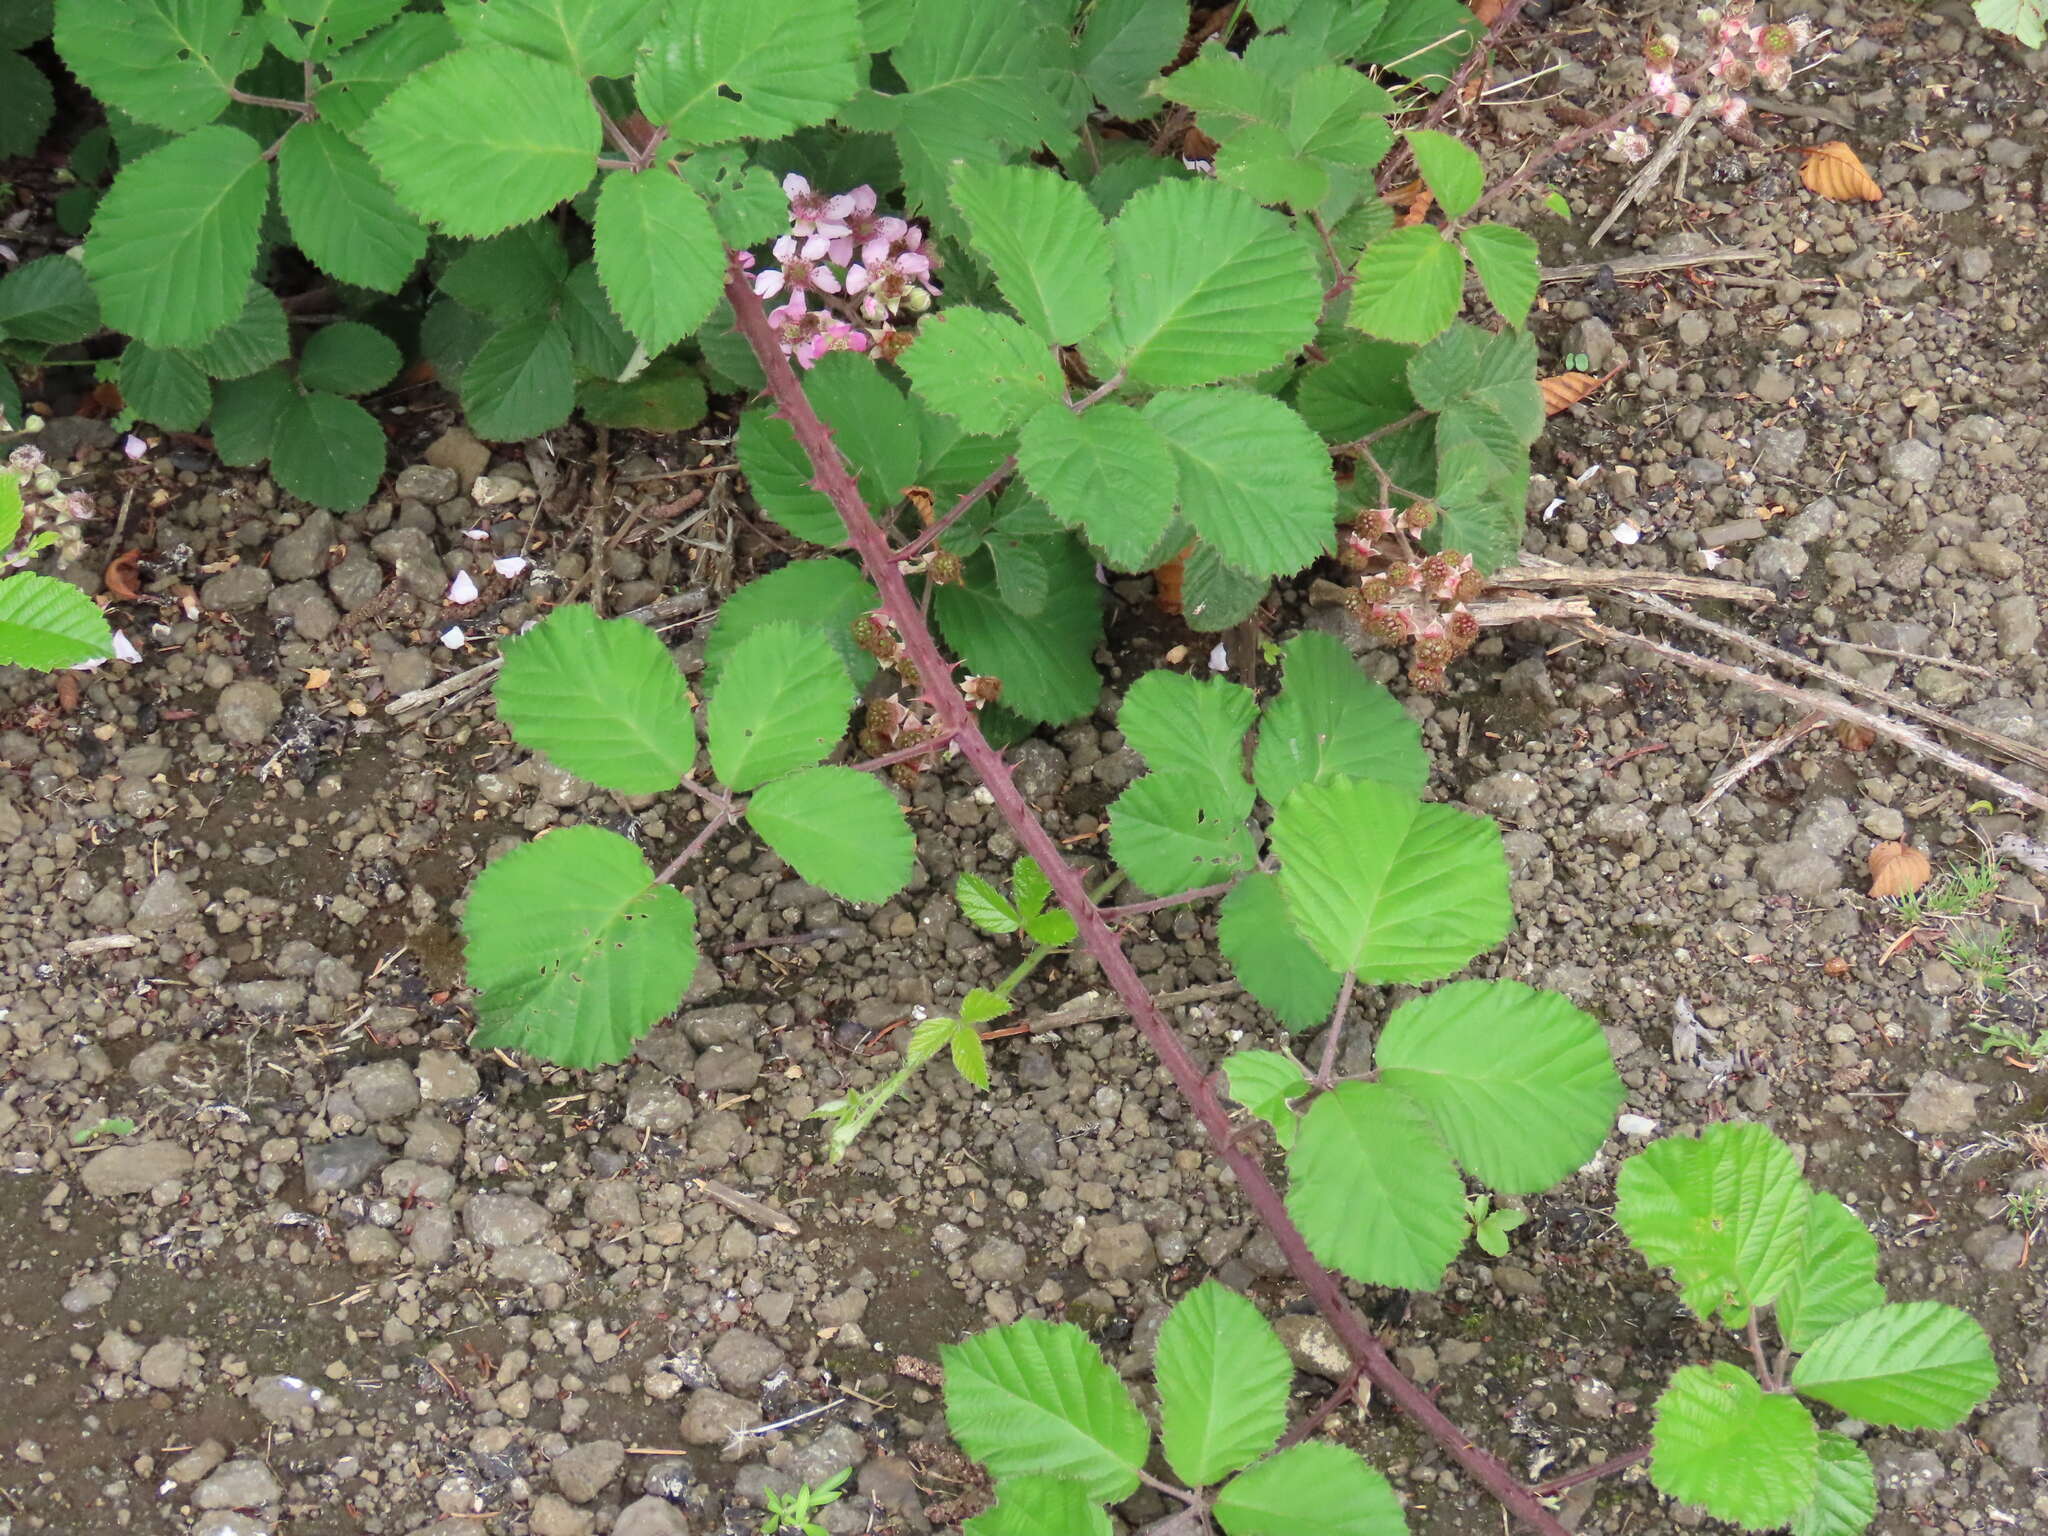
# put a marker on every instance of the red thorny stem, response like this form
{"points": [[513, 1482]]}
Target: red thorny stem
{"points": [[836, 483]]}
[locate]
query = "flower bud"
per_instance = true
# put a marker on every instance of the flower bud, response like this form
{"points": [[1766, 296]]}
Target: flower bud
{"points": [[916, 300]]}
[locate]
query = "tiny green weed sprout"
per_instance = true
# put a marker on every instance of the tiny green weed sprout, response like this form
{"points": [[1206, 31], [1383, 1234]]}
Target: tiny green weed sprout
{"points": [[112, 1125], [2000, 1037], [792, 1512], [1490, 1228], [1984, 954]]}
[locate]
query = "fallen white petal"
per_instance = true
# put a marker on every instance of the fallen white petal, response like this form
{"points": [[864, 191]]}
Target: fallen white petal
{"points": [[1626, 532], [454, 638], [1635, 1125], [134, 447], [509, 566], [462, 589], [479, 534], [1219, 659], [124, 648]]}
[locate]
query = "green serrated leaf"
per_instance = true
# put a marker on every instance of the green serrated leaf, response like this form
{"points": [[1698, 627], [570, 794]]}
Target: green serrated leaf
{"points": [[1508, 267], [1223, 1380], [1410, 285], [1422, 39], [574, 948], [985, 370], [1722, 1442], [1036, 1399], [1383, 885], [1264, 1082], [747, 202], [875, 426], [1450, 169], [1055, 929], [10, 512], [46, 623], [450, 335], [169, 63], [658, 254], [592, 37], [249, 343], [2026, 20], [328, 451], [781, 704], [668, 397], [1046, 661], [1338, 116], [600, 698], [349, 358], [1909, 1365], [1331, 719], [838, 828], [712, 73], [983, 905], [980, 1006], [1519, 1081], [447, 145], [1275, 964], [1845, 1495], [521, 382], [1215, 595], [1836, 1277], [825, 594], [970, 1056], [1362, 388], [1108, 471], [27, 104], [174, 241], [333, 24], [164, 387], [1725, 1212], [246, 413], [1373, 1189], [48, 300], [1044, 242], [25, 22], [1040, 1506], [1241, 298], [1169, 836], [1029, 886], [1124, 46], [511, 275], [1254, 481], [597, 341], [1193, 730], [361, 78], [1312, 1489]]}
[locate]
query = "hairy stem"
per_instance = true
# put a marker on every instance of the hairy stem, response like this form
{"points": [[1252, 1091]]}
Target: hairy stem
{"points": [[1619, 1463], [1326, 1074], [1162, 903], [990, 483], [696, 845], [836, 482], [903, 754], [1563, 146], [283, 104]]}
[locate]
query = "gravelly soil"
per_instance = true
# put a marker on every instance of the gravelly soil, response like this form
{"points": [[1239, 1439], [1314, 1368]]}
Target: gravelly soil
{"points": [[349, 1277]]}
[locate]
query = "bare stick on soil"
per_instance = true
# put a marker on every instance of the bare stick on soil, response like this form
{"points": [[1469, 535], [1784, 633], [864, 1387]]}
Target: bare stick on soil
{"points": [[1638, 266], [1812, 720], [1651, 173], [951, 712]]}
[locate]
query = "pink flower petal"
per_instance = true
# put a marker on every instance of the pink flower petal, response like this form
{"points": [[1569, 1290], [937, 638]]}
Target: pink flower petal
{"points": [[124, 648], [462, 589], [825, 280], [768, 284], [453, 637], [134, 447], [510, 566], [795, 186]]}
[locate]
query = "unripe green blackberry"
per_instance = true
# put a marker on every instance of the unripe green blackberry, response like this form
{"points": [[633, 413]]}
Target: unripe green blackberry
{"points": [[1470, 585], [1433, 652], [946, 568], [1376, 589], [1401, 574]]}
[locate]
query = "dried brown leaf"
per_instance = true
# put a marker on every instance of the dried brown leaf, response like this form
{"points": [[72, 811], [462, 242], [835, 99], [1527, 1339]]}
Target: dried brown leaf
{"points": [[1898, 869], [1854, 737], [1562, 391], [1832, 170]]}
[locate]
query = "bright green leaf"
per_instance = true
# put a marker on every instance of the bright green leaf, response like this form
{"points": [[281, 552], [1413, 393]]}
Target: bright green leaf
{"points": [[838, 828], [521, 381], [2026, 20], [668, 397], [658, 254], [1725, 1212], [825, 594], [1216, 595], [1193, 729], [970, 1056], [1331, 719], [1337, 115], [1743, 1454], [1386, 886], [599, 698], [983, 905], [711, 73], [1255, 482], [249, 343], [1450, 169], [1422, 39], [592, 37], [1845, 1496], [781, 704], [1275, 964], [1373, 1189], [1045, 243], [10, 511], [486, 138], [980, 1006], [333, 24], [1036, 1399], [46, 623], [1908, 1365], [1108, 471], [985, 370], [597, 341], [1264, 1082], [163, 387], [574, 948], [1519, 1081], [246, 413], [1040, 1506], [1836, 1277], [1312, 1489], [48, 300], [1046, 662], [876, 427], [1169, 836], [169, 63], [1223, 1379], [349, 358], [1029, 885], [1206, 285], [174, 240], [341, 214], [1124, 46], [328, 451], [512, 275], [1411, 283], [1507, 263], [1362, 388], [361, 79]]}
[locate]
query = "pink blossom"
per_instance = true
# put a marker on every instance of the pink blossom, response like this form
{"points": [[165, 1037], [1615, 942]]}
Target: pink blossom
{"points": [[1661, 82], [797, 272], [1732, 110], [1631, 145], [813, 213]]}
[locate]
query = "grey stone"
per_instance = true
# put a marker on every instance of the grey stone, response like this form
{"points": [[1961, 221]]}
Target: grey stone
{"points": [[712, 1417], [1912, 461], [164, 1364], [552, 1515], [1837, 324], [459, 450], [410, 1180], [432, 1140], [408, 670], [998, 1261], [1798, 869], [742, 1360], [2014, 1435], [431, 483], [1503, 794], [1313, 1345], [248, 710], [503, 1221], [234, 591], [333, 1167], [1906, 1475], [303, 553], [1939, 1105], [727, 1069], [281, 996], [531, 1264], [356, 581], [1945, 199], [1593, 337], [2017, 621], [432, 1238], [651, 1516], [1740, 531], [584, 1472], [414, 561], [1618, 825], [652, 1104], [304, 605], [244, 1483], [1827, 825], [1121, 1252], [727, 1025], [446, 1075], [166, 900], [835, 1449], [285, 1400], [229, 1522], [1777, 561], [1779, 450], [135, 1170], [385, 1090]]}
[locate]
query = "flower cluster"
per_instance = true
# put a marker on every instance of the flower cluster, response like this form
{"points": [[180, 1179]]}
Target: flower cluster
{"points": [[50, 514], [890, 724], [864, 272], [1403, 600], [1739, 53]]}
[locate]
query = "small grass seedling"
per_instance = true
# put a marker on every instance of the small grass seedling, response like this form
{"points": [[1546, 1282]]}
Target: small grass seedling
{"points": [[792, 1512]]}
